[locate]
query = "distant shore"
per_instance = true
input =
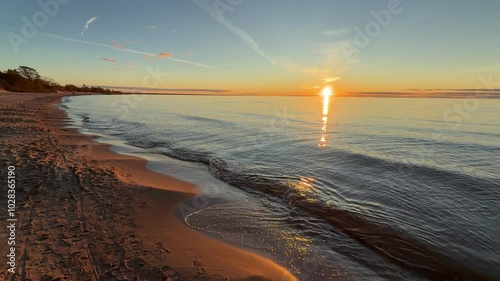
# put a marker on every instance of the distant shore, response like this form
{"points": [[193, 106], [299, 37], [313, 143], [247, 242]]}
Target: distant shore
{"points": [[86, 213]]}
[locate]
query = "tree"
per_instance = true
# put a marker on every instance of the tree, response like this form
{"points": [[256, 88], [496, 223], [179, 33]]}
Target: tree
{"points": [[71, 88], [49, 82], [27, 79], [29, 73]]}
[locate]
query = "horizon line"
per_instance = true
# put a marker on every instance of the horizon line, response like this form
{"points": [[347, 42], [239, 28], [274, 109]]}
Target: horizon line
{"points": [[298, 95]]}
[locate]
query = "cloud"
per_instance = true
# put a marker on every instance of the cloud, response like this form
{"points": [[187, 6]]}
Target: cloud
{"points": [[164, 55], [130, 41], [311, 87], [426, 93], [145, 54], [87, 24], [128, 89], [337, 32], [154, 27], [331, 60], [322, 69], [210, 8], [117, 44], [109, 59], [135, 42], [327, 66], [331, 79]]}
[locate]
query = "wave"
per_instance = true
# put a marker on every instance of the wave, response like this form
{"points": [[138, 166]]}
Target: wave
{"points": [[407, 252], [205, 119], [390, 243]]}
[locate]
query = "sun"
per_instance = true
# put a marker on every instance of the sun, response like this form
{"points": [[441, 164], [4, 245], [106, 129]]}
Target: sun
{"points": [[326, 92]]}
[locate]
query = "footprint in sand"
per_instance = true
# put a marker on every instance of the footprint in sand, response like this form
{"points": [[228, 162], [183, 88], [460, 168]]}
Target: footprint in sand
{"points": [[132, 240], [159, 247], [172, 274], [198, 266], [135, 263]]}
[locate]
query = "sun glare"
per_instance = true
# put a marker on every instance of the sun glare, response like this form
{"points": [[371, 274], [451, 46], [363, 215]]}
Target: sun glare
{"points": [[326, 92]]}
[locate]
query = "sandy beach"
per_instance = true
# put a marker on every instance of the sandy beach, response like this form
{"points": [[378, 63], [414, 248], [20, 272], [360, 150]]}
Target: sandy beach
{"points": [[86, 213]]}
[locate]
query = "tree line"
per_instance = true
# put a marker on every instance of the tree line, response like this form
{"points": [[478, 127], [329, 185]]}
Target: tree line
{"points": [[27, 79]]}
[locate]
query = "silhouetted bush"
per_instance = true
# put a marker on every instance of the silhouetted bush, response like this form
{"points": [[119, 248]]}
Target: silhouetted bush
{"points": [[27, 79]]}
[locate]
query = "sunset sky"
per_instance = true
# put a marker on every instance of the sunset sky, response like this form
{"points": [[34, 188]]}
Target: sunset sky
{"points": [[288, 47]]}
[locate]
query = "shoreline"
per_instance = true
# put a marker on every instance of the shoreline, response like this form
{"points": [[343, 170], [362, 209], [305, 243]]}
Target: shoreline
{"points": [[132, 201]]}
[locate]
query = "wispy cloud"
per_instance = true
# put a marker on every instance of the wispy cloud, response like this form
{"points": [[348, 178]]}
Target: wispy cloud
{"points": [[331, 79], [164, 55], [210, 8], [331, 60], [145, 54], [325, 69], [431, 93], [327, 66], [135, 42], [154, 27], [337, 32], [87, 24], [109, 59], [168, 90], [118, 45]]}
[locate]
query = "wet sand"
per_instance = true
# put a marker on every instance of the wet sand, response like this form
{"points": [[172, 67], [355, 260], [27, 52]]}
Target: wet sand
{"points": [[87, 213]]}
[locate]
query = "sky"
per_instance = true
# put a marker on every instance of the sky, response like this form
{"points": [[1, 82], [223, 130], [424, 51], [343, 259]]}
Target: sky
{"points": [[256, 47]]}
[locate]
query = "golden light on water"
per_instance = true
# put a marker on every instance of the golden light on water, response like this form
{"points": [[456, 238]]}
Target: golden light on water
{"points": [[304, 186], [326, 93]]}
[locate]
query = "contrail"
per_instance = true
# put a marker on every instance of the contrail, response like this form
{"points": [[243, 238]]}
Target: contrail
{"points": [[217, 14], [87, 24], [55, 36], [209, 7]]}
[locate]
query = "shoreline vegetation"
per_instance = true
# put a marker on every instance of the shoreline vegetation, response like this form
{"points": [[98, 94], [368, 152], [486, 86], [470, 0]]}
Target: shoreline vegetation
{"points": [[86, 213], [27, 80]]}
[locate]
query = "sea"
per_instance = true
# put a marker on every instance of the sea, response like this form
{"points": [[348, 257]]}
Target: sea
{"points": [[332, 188]]}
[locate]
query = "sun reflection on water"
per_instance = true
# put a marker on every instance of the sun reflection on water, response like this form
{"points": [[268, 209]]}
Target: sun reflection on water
{"points": [[305, 185], [327, 93]]}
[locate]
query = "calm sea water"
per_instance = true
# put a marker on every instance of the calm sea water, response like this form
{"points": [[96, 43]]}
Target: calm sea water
{"points": [[333, 189]]}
